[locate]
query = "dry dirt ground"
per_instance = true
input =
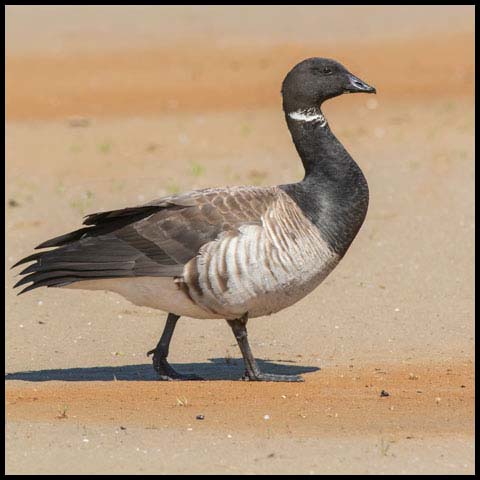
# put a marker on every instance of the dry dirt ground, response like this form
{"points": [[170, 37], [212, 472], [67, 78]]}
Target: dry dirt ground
{"points": [[109, 107]]}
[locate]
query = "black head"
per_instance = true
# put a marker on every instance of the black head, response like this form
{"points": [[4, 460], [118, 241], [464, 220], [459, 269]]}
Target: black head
{"points": [[315, 80]]}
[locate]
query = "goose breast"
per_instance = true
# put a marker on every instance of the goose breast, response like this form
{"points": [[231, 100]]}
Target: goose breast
{"points": [[259, 269]]}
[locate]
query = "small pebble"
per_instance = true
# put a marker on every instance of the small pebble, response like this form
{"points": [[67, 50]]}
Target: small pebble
{"points": [[86, 440], [438, 400], [40, 303], [200, 417], [266, 417], [383, 393]]}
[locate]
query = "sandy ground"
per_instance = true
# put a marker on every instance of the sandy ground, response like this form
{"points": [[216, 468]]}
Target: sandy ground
{"points": [[109, 108]]}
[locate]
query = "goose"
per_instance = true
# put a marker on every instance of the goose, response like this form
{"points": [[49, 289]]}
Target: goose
{"points": [[233, 253]]}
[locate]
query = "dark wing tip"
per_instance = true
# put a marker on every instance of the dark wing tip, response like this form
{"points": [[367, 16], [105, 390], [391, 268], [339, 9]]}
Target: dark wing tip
{"points": [[63, 239], [44, 282], [26, 289], [30, 258], [124, 213]]}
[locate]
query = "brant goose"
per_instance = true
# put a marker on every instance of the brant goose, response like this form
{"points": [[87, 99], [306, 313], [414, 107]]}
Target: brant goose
{"points": [[235, 252]]}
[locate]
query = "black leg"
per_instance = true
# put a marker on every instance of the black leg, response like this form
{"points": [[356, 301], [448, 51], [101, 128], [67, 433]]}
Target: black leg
{"points": [[252, 372], [160, 353]]}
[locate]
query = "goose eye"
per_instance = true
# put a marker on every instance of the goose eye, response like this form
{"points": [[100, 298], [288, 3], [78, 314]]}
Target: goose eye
{"points": [[327, 70]]}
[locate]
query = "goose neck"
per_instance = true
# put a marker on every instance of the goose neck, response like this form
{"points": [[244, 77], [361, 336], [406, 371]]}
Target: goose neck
{"points": [[334, 193], [320, 151]]}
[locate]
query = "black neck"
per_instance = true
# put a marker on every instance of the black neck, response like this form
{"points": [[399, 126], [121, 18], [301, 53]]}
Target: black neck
{"points": [[334, 192]]}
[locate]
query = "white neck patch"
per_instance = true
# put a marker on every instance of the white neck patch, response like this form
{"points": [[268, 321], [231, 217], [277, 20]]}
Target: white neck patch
{"points": [[308, 115]]}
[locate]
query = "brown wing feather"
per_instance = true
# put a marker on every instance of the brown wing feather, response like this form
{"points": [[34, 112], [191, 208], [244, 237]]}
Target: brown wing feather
{"points": [[156, 239]]}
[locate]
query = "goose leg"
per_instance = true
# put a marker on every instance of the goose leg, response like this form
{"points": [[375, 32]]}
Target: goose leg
{"points": [[160, 354], [252, 372]]}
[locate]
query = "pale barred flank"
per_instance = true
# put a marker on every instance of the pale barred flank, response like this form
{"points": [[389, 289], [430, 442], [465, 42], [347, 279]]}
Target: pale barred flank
{"points": [[262, 269]]}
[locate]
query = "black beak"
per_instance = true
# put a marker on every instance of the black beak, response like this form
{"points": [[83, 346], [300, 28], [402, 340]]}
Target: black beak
{"points": [[355, 85]]}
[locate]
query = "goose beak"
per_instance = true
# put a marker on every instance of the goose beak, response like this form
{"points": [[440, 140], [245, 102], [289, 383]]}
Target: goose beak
{"points": [[355, 85]]}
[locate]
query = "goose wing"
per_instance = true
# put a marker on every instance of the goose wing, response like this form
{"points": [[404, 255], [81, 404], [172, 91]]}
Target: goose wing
{"points": [[155, 239]]}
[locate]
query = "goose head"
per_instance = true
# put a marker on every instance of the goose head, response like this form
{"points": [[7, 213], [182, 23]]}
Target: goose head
{"points": [[315, 80]]}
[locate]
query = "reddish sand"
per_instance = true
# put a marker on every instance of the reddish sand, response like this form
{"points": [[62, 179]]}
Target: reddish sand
{"points": [[419, 400]]}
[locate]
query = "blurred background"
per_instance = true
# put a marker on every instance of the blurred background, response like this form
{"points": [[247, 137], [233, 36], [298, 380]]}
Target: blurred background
{"points": [[136, 60]]}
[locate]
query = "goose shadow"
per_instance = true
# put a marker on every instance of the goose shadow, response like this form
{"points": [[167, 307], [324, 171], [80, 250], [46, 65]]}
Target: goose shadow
{"points": [[214, 369]]}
